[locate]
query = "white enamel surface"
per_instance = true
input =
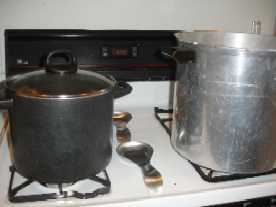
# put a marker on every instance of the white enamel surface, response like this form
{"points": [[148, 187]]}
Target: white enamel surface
{"points": [[146, 93], [182, 185]]}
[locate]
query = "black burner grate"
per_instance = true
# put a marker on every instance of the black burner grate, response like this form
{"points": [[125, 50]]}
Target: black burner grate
{"points": [[206, 174], [14, 198], [213, 176], [163, 121]]}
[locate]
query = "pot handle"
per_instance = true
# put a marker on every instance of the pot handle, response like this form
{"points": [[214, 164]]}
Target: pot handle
{"points": [[179, 56], [70, 67], [5, 103], [120, 88]]}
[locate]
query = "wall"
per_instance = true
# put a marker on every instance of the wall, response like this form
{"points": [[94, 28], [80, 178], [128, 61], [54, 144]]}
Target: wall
{"points": [[228, 15]]}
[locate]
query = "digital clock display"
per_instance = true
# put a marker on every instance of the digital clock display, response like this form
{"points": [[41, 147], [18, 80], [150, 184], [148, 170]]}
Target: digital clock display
{"points": [[120, 52]]}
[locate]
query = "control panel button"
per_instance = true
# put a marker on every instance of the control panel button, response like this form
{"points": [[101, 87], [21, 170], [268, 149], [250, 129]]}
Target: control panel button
{"points": [[21, 61], [105, 52], [134, 51]]}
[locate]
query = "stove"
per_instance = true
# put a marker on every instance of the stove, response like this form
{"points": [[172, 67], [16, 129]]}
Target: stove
{"points": [[112, 53]]}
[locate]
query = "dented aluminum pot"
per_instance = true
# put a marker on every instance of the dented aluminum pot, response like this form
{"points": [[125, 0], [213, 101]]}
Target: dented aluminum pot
{"points": [[224, 102]]}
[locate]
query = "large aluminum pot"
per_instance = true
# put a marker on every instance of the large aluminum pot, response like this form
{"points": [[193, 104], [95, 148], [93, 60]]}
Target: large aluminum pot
{"points": [[224, 102], [61, 120]]}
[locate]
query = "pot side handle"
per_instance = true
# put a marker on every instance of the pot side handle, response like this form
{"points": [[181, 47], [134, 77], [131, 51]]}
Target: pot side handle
{"points": [[179, 56], [5, 103], [121, 89]]}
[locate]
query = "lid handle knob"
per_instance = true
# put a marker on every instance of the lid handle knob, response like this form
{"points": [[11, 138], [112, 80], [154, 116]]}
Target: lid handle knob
{"points": [[69, 67]]}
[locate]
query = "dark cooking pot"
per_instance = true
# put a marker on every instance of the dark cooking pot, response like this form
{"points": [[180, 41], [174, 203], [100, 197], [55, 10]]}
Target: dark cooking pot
{"points": [[61, 120]]}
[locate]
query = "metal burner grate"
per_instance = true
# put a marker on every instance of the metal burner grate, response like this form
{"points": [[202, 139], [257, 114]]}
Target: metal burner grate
{"points": [[14, 198], [213, 176], [206, 174], [164, 121]]}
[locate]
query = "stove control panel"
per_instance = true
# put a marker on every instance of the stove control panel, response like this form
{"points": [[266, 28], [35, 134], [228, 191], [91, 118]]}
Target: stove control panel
{"points": [[128, 55]]}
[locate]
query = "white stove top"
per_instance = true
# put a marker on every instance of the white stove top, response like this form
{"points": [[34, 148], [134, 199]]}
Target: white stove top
{"points": [[181, 183]]}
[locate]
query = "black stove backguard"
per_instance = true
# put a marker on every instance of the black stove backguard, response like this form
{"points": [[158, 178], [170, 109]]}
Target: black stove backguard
{"points": [[128, 55]]}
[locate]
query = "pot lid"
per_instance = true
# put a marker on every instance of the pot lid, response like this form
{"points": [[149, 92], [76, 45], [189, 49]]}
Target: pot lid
{"points": [[62, 80]]}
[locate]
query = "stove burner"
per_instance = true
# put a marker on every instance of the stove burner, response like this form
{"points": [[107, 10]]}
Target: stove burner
{"points": [[14, 198], [205, 173], [55, 185], [120, 121]]}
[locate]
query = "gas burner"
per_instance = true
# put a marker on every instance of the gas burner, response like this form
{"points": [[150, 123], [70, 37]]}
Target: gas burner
{"points": [[56, 186], [61, 193], [123, 135], [120, 120], [164, 116]]}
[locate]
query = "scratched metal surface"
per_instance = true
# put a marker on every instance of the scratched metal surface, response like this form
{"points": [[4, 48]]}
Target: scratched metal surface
{"points": [[224, 109]]}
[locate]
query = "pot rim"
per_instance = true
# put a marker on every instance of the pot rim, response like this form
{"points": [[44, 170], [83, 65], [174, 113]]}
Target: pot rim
{"points": [[59, 96], [63, 97], [241, 41]]}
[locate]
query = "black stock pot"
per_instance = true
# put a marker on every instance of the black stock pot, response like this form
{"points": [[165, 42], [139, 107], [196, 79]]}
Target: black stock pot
{"points": [[61, 120]]}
